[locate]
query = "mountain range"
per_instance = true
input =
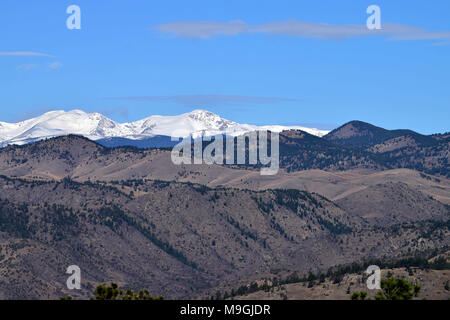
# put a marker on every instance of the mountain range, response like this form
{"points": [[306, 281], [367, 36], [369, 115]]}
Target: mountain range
{"points": [[131, 216], [96, 126], [354, 145]]}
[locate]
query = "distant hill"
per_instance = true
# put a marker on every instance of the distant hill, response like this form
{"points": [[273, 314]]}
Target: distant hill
{"points": [[363, 135], [396, 148]]}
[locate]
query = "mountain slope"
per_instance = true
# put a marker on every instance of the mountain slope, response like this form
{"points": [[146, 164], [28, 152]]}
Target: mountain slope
{"points": [[391, 203], [173, 238], [179, 239]]}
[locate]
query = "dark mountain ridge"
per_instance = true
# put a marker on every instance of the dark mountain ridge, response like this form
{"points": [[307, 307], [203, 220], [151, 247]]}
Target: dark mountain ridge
{"points": [[359, 134]]}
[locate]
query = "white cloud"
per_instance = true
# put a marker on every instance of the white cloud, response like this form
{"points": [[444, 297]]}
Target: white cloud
{"points": [[206, 100], [205, 30], [24, 53], [55, 65], [26, 67]]}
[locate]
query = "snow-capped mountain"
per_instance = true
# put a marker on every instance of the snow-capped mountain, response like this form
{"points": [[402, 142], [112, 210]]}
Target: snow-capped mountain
{"points": [[96, 126]]}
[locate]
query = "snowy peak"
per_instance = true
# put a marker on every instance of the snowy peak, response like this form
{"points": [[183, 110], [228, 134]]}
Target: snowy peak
{"points": [[96, 126], [209, 119], [196, 123], [56, 123]]}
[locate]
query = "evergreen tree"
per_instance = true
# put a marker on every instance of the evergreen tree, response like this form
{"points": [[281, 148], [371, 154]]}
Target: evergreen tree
{"points": [[397, 289], [113, 292]]}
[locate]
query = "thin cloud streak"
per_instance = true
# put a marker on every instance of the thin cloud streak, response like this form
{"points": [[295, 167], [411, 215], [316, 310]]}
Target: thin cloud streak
{"points": [[31, 113], [209, 29], [120, 110], [207, 100], [55, 65], [24, 53], [203, 29], [26, 67]]}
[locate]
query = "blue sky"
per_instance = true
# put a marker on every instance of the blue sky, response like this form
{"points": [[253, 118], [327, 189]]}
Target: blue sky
{"points": [[260, 62]]}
